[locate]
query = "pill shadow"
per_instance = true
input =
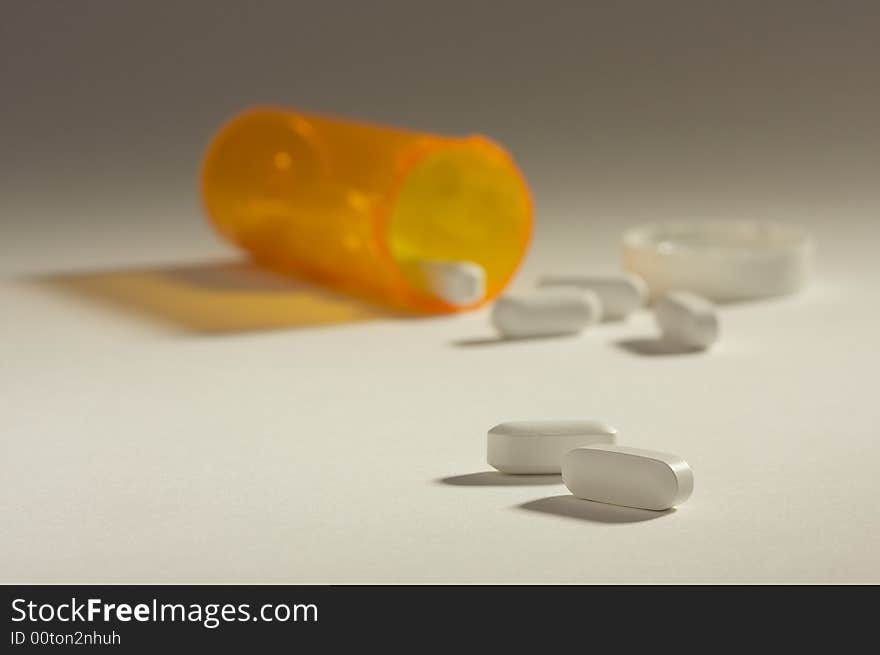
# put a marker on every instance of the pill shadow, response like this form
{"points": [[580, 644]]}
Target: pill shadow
{"points": [[587, 510], [655, 347], [213, 297], [499, 340], [496, 479]]}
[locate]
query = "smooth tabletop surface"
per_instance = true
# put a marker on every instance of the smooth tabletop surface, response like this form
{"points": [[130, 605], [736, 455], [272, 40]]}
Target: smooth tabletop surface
{"points": [[171, 414]]}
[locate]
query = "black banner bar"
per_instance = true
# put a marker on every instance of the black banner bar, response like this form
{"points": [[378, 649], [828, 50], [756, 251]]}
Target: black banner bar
{"points": [[147, 618]]}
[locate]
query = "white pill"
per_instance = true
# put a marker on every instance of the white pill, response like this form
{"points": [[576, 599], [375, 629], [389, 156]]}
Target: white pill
{"points": [[621, 295], [458, 283], [546, 313], [687, 319], [536, 447], [632, 477]]}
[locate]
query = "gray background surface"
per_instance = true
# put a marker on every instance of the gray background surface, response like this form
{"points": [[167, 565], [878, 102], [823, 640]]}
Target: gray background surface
{"points": [[145, 442]]}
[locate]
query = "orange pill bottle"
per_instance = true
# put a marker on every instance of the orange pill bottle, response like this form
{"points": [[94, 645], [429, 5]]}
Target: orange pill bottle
{"points": [[349, 205]]}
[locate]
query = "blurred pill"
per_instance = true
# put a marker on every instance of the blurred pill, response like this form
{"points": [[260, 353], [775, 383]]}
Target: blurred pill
{"points": [[545, 313], [687, 319], [536, 447], [621, 295], [631, 477], [458, 283]]}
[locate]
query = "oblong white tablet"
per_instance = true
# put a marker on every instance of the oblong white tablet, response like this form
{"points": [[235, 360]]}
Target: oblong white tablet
{"points": [[546, 313], [687, 319], [537, 447], [458, 283], [620, 295], [619, 475]]}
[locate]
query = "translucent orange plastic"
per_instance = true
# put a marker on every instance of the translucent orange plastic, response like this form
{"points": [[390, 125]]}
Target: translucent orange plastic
{"points": [[348, 204]]}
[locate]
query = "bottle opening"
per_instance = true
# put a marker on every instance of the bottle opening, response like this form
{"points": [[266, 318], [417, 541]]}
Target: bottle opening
{"points": [[460, 202]]}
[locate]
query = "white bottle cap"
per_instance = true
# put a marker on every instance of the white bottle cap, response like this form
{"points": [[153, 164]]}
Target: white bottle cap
{"points": [[720, 260]]}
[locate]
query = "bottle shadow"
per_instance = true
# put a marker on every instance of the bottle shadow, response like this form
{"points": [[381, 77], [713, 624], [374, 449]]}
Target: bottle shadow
{"points": [[586, 510], [215, 297], [496, 479]]}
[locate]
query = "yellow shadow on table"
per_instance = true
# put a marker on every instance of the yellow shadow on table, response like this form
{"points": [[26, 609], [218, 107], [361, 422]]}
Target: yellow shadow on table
{"points": [[215, 297]]}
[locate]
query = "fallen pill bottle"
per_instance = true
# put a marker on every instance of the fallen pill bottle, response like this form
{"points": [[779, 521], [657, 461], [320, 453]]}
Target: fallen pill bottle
{"points": [[355, 207]]}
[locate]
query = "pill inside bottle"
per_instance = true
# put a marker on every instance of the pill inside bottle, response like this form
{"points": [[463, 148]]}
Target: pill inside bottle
{"points": [[537, 447], [458, 283], [545, 313]]}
